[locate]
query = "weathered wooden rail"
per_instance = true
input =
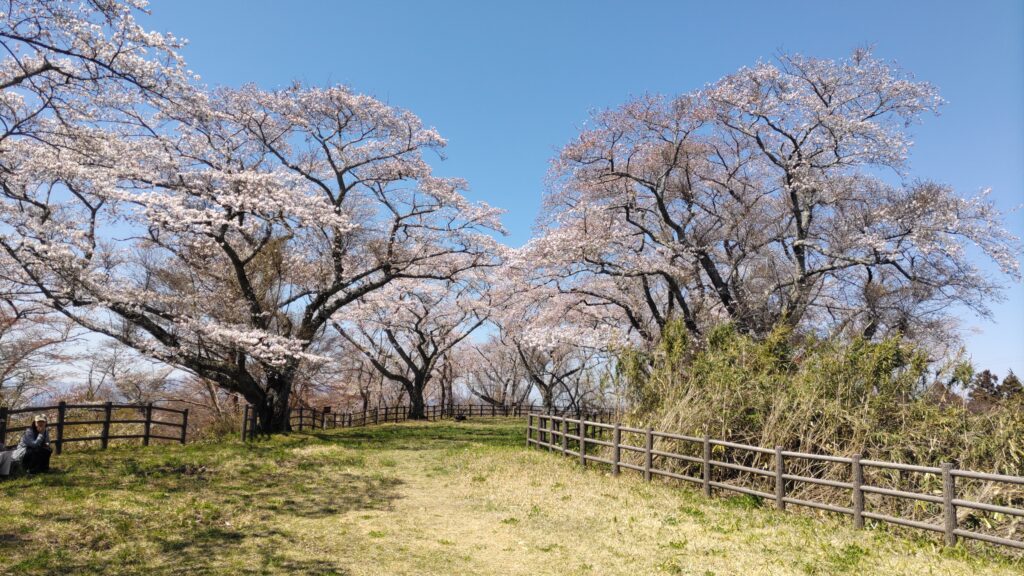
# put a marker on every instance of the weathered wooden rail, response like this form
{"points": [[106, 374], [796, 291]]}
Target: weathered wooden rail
{"points": [[97, 420], [575, 436]]}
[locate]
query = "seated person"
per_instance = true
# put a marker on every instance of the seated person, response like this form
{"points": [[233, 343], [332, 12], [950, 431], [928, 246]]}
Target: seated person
{"points": [[6, 459], [34, 448]]}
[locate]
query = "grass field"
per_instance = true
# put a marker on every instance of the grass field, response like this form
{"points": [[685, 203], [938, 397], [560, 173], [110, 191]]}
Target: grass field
{"points": [[437, 498]]}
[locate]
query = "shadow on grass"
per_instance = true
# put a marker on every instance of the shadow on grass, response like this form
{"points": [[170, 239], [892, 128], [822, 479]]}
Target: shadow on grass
{"points": [[339, 493], [204, 550], [203, 560], [220, 507], [234, 525]]}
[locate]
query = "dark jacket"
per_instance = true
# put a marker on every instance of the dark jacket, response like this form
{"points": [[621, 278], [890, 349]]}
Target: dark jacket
{"points": [[33, 440]]}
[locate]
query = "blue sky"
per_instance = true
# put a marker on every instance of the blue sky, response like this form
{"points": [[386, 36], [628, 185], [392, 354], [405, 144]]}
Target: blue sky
{"points": [[508, 83]]}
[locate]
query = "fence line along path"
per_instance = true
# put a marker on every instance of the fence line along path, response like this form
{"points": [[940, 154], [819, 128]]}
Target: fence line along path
{"points": [[575, 437], [100, 423], [302, 418]]}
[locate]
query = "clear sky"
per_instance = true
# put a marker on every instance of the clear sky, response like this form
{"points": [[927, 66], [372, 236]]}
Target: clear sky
{"points": [[509, 83]]}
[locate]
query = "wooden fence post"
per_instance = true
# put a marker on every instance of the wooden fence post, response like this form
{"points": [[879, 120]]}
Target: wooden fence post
{"points": [[583, 443], [62, 412], [3, 427], [302, 412], [616, 451], [148, 425], [529, 429], [551, 433], [857, 480], [105, 433], [184, 425], [564, 427], [780, 483], [948, 509], [376, 415], [648, 456], [707, 466], [245, 422]]}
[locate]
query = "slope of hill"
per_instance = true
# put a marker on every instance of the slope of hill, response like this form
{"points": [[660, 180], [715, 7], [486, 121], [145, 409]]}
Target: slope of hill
{"points": [[416, 498]]}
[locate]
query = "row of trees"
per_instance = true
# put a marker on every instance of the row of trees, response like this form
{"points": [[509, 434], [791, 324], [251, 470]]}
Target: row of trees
{"points": [[274, 242], [243, 236]]}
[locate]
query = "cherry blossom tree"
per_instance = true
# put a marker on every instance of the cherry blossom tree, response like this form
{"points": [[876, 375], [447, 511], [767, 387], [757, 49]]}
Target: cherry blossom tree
{"points": [[360, 374], [407, 330], [31, 352], [221, 236], [65, 65], [72, 62], [763, 199], [494, 372], [550, 339]]}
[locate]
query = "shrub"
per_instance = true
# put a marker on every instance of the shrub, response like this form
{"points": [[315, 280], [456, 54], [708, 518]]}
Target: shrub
{"points": [[808, 394]]}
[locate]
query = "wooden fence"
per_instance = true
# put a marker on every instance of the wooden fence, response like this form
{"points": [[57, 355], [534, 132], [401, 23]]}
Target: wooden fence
{"points": [[301, 418], [100, 423], [542, 430]]}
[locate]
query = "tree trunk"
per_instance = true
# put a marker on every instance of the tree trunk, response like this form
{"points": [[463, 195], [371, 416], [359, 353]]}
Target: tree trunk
{"points": [[416, 404], [548, 396], [272, 410]]}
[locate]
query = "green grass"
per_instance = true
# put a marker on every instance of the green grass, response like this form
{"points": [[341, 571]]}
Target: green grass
{"points": [[438, 498]]}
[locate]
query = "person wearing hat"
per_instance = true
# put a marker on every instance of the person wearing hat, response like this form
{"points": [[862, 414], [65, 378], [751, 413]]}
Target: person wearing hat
{"points": [[34, 448]]}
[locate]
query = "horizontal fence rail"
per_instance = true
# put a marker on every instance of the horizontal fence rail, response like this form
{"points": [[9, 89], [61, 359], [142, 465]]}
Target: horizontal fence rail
{"points": [[96, 423], [303, 418], [581, 438]]}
